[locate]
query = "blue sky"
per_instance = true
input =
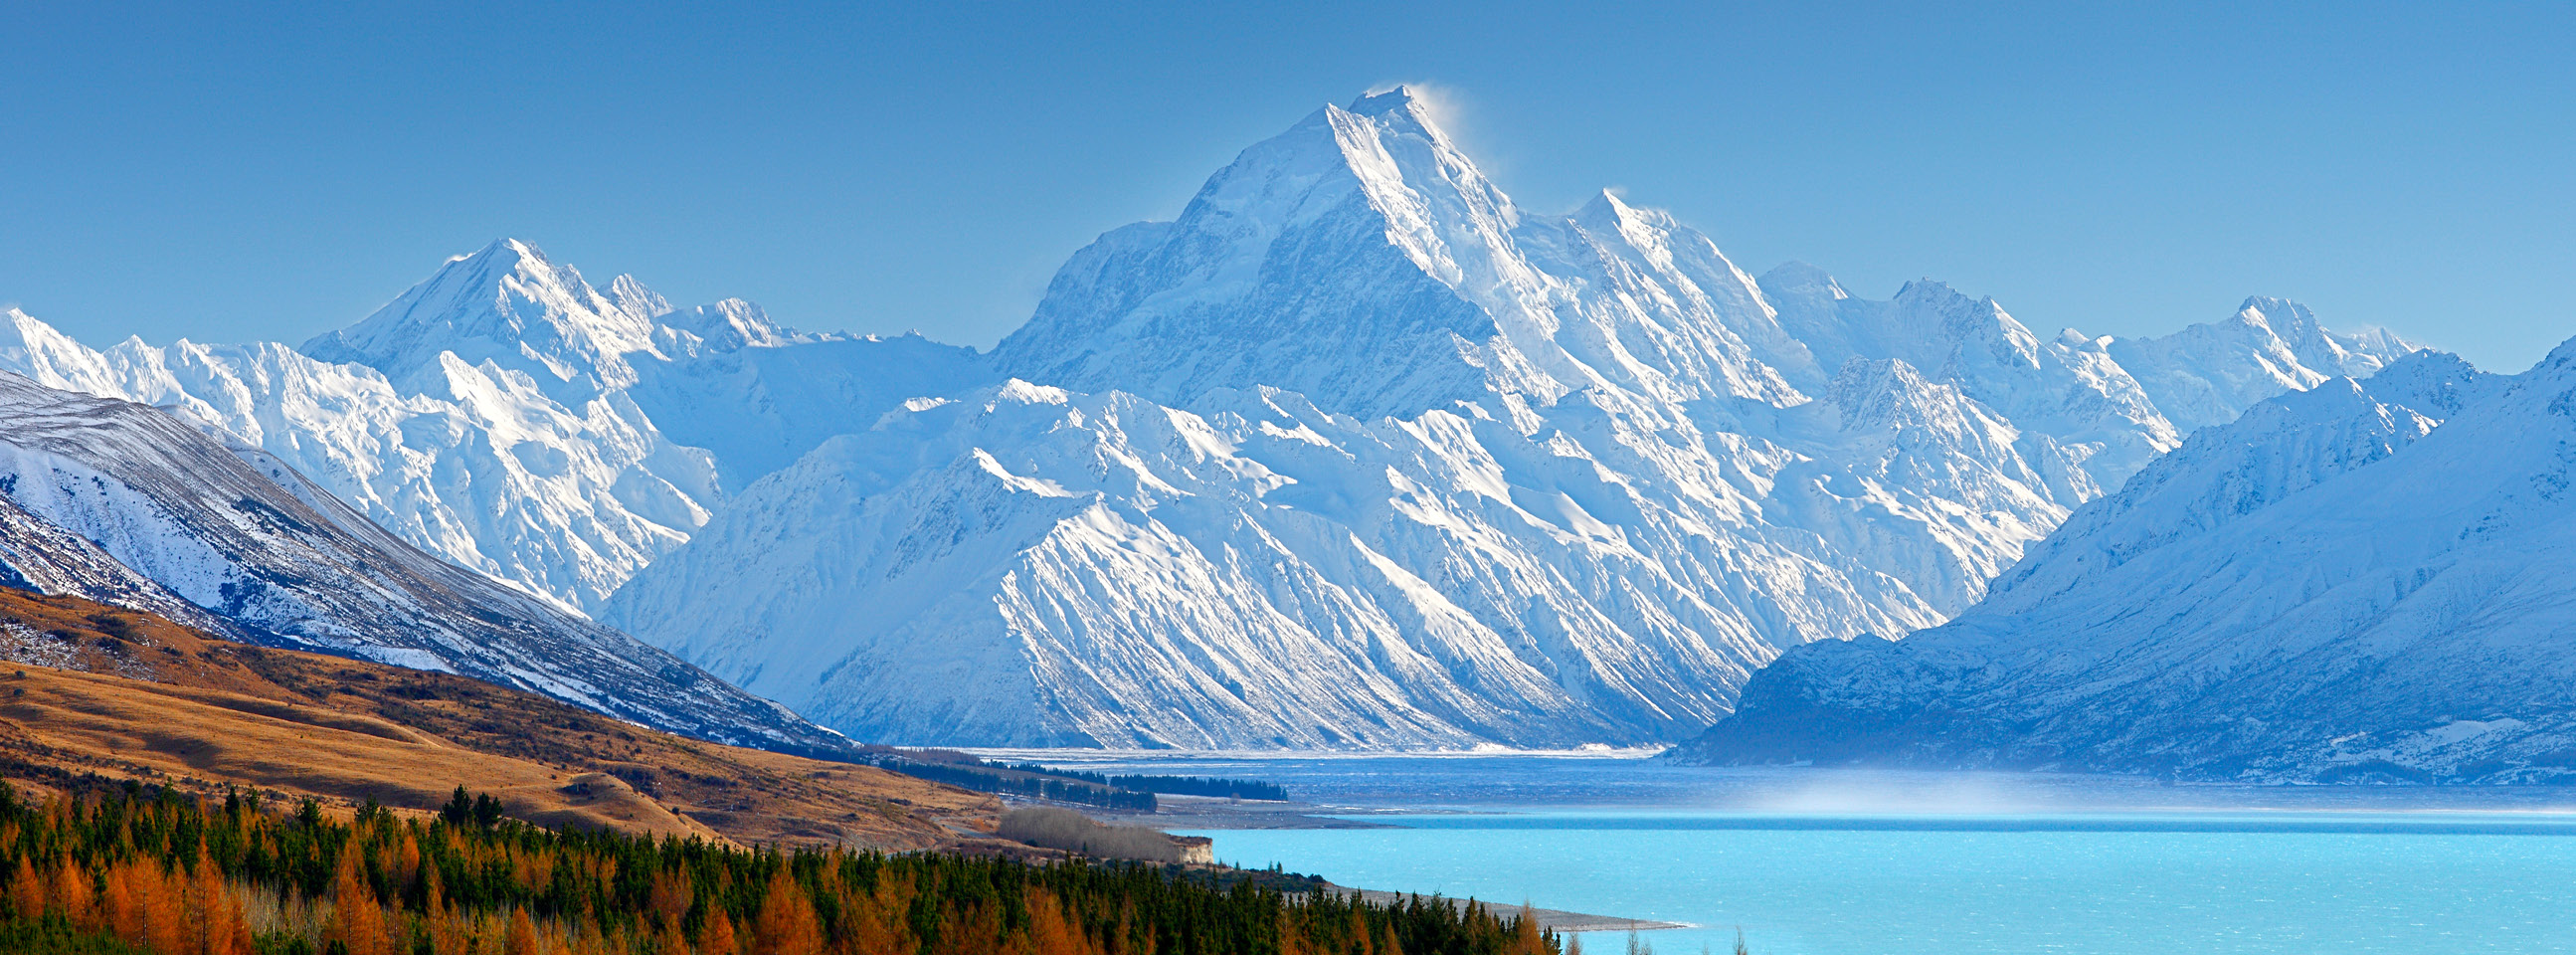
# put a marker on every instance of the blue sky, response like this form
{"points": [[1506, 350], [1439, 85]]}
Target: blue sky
{"points": [[228, 175]]}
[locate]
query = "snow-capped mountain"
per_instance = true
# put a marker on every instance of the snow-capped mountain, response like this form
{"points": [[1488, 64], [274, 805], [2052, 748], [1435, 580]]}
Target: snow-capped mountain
{"points": [[721, 378], [1031, 565], [505, 415], [1355, 452], [2367, 580], [488, 471], [120, 503], [2210, 373]]}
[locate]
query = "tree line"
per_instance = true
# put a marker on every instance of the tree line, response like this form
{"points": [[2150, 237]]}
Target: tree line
{"points": [[1216, 786], [1043, 784], [1132, 792], [152, 872]]}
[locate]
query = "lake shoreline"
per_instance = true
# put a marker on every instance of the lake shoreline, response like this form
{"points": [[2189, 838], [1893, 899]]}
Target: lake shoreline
{"points": [[1201, 812], [1553, 920], [1205, 814], [1814, 861]]}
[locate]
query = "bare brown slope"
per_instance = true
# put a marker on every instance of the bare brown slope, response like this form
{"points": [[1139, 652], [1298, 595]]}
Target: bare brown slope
{"points": [[100, 689]]}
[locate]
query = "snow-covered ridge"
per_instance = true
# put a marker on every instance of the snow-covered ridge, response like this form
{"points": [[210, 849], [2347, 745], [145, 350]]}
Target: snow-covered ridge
{"points": [[487, 471], [1355, 452], [2210, 373], [507, 416], [2366, 580], [117, 502]]}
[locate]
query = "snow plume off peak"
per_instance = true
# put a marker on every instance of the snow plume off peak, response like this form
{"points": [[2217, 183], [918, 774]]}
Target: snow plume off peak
{"points": [[1437, 108], [1379, 101]]}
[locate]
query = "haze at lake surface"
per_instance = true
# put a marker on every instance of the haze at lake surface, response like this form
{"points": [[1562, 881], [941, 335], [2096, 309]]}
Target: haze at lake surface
{"points": [[1629, 781], [1838, 862]]}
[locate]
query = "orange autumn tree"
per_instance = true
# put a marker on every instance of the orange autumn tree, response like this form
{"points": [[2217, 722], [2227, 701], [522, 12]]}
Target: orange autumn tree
{"points": [[787, 925], [357, 918]]}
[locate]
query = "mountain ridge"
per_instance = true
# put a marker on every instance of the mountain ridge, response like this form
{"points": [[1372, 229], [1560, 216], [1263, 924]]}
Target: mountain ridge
{"points": [[101, 485], [2352, 582], [1402, 436], [1537, 479]]}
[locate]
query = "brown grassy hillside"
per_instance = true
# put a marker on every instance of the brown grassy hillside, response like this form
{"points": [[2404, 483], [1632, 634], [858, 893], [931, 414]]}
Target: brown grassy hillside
{"points": [[90, 688]]}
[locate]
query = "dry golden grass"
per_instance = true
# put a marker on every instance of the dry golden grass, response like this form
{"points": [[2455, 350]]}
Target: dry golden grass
{"points": [[129, 695]]}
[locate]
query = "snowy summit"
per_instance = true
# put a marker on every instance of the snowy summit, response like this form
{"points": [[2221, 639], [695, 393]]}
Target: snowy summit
{"points": [[1354, 453]]}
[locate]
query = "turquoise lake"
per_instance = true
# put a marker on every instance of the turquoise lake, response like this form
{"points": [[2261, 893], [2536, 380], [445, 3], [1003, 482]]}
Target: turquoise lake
{"points": [[1856, 863]]}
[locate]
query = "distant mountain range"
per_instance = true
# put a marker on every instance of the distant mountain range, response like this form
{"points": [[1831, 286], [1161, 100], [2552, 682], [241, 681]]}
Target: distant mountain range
{"points": [[115, 502], [2367, 581], [1355, 453]]}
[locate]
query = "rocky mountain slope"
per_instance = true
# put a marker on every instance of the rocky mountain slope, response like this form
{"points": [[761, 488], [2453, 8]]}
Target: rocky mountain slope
{"points": [[109, 691], [113, 501], [2363, 581], [1355, 452]]}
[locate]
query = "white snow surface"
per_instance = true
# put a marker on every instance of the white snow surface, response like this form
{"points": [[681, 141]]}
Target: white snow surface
{"points": [[111, 500], [501, 421], [1353, 453], [2364, 581], [1356, 453]]}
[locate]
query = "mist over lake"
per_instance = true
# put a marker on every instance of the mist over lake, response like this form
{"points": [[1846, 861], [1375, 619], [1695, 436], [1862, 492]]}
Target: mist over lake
{"points": [[1829, 862]]}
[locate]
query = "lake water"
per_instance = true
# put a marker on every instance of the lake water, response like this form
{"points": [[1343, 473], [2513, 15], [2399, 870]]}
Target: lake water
{"points": [[1824, 862]]}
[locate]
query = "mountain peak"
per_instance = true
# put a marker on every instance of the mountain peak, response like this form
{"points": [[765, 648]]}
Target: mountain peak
{"points": [[1605, 206], [729, 325], [1796, 277], [1930, 289], [516, 247], [632, 296], [505, 302], [47, 356], [501, 256], [2358, 354], [1382, 102], [2284, 317], [496, 260], [1400, 110]]}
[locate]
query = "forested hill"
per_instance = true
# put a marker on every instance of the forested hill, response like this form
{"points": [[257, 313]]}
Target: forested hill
{"points": [[114, 692], [165, 874]]}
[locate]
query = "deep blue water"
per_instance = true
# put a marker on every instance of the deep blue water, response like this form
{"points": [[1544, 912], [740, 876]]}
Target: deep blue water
{"points": [[1824, 862]]}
